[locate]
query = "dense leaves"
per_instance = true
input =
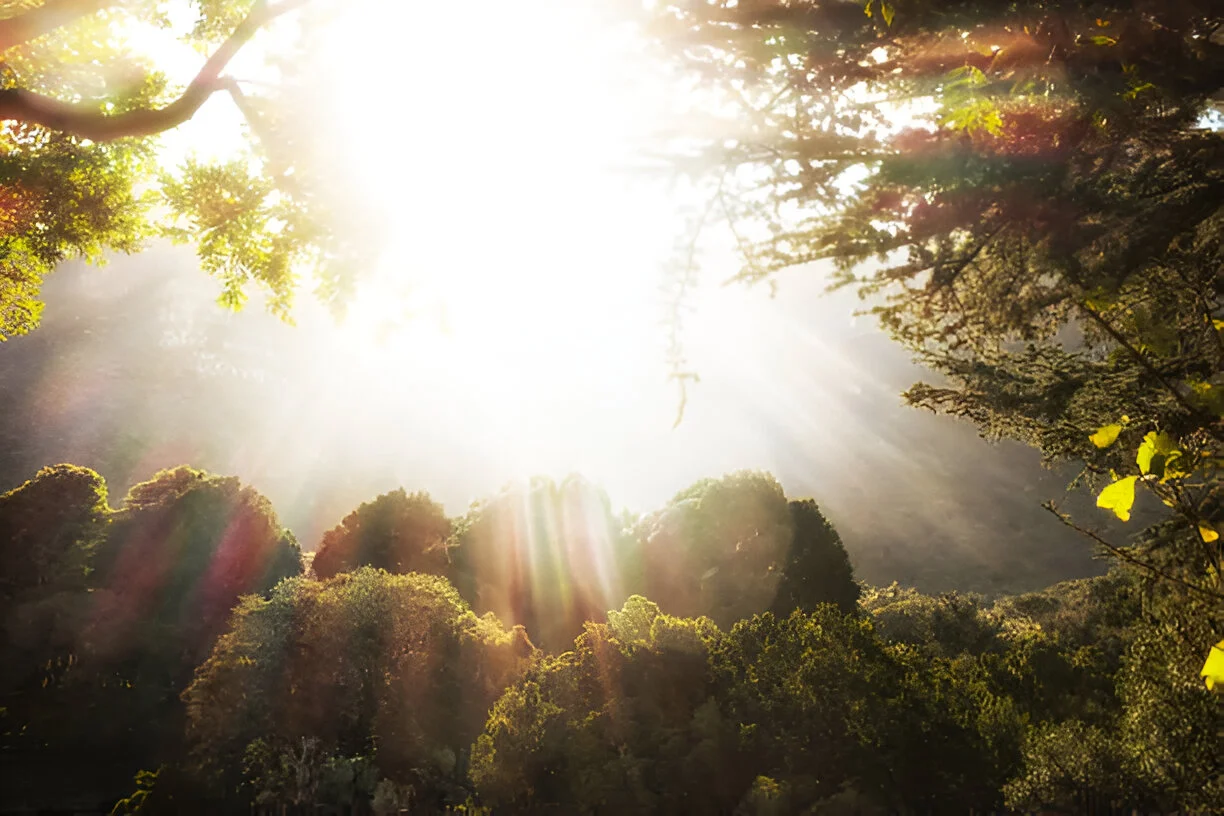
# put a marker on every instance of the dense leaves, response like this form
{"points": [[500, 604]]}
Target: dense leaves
{"points": [[200, 677], [369, 667], [543, 555], [396, 532], [732, 547], [114, 612], [82, 166]]}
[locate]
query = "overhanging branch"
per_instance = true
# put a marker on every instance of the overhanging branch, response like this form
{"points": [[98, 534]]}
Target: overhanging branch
{"points": [[1129, 558], [85, 121]]}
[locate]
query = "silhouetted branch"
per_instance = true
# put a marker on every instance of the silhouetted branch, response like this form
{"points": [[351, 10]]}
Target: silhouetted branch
{"points": [[86, 121]]}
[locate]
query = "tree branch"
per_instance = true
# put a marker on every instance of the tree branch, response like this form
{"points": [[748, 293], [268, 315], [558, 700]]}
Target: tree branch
{"points": [[1206, 419], [1126, 556], [53, 14], [87, 122]]}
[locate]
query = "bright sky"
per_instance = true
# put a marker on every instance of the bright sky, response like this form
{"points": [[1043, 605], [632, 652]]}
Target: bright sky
{"points": [[515, 325], [525, 271]]}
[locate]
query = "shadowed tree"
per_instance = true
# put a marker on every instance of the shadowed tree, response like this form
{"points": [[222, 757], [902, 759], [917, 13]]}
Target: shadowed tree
{"points": [[48, 529], [545, 555], [817, 569], [718, 547], [396, 532], [179, 553], [732, 547]]}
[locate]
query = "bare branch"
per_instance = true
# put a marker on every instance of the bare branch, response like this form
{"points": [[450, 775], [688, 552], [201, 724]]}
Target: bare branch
{"points": [[53, 14], [1121, 553], [85, 121]]}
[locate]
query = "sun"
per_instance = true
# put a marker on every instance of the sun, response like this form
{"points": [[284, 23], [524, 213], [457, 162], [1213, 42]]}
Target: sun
{"points": [[495, 150]]}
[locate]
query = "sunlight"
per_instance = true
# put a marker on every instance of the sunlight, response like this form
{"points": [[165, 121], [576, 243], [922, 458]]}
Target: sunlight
{"points": [[523, 253]]}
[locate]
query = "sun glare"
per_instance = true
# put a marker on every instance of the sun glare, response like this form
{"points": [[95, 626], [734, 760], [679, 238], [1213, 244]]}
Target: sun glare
{"points": [[495, 152]]}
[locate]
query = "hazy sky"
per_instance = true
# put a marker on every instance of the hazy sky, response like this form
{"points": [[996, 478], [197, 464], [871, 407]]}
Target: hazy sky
{"points": [[135, 369], [531, 260]]}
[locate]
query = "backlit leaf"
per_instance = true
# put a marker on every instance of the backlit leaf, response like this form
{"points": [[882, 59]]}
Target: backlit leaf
{"points": [[1207, 532], [1156, 450], [1213, 669], [1119, 497], [1106, 435]]}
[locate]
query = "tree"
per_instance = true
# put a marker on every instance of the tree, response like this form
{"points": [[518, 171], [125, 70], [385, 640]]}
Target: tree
{"points": [[817, 569], [1029, 195], [395, 669], [545, 555], [145, 592], [619, 724], [180, 552], [655, 714], [718, 547], [80, 172], [396, 532], [48, 529], [731, 547]]}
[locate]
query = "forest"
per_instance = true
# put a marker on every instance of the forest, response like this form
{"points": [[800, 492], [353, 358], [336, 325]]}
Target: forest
{"points": [[1027, 197], [181, 654]]}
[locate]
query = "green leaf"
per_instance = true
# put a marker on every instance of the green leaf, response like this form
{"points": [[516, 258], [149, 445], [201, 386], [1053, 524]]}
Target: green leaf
{"points": [[1119, 497], [1106, 435], [1213, 669], [1157, 449], [1101, 39]]}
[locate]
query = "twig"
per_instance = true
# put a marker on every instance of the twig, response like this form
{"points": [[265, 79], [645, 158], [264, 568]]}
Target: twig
{"points": [[1126, 556]]}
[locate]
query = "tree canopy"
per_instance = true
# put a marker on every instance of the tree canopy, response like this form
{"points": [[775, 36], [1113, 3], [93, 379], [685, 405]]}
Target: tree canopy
{"points": [[396, 532], [202, 669], [82, 166]]}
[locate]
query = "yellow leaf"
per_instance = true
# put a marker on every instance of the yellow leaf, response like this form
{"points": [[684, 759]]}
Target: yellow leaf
{"points": [[1213, 669], [1106, 435], [1156, 449], [1207, 531], [1119, 497], [887, 12]]}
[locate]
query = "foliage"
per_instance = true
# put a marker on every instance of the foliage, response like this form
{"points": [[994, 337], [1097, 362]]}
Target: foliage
{"points": [[138, 802], [180, 552], [380, 691], [48, 529], [1029, 196], [544, 555], [396, 532], [651, 713], [817, 569], [83, 171], [122, 607], [615, 725], [728, 548], [61, 199], [1058, 263], [393, 670]]}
